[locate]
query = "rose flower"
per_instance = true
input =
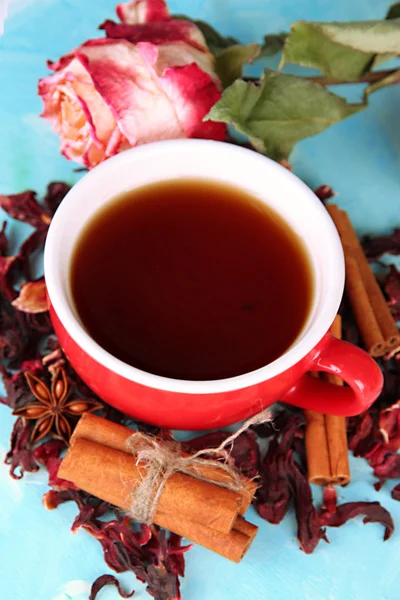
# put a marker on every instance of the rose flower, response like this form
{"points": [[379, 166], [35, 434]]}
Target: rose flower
{"points": [[152, 78]]}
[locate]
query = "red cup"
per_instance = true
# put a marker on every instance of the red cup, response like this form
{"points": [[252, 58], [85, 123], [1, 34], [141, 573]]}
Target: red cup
{"points": [[180, 404]]}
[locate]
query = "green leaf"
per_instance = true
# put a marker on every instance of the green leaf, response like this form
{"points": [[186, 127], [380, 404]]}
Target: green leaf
{"points": [[392, 79], [343, 51], [280, 111], [273, 43], [394, 11], [215, 41], [229, 63]]}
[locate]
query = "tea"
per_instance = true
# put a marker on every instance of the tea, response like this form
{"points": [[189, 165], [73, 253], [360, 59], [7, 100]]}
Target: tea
{"points": [[191, 279]]}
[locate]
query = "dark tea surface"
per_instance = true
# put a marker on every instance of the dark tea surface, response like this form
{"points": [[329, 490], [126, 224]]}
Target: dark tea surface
{"points": [[191, 279]]}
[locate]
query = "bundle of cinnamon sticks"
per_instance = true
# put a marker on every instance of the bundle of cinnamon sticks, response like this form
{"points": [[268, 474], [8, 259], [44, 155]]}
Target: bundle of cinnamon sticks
{"points": [[326, 438], [375, 322], [100, 462]]}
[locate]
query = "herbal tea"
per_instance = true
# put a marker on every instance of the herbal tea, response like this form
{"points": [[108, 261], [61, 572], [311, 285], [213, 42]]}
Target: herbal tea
{"points": [[191, 279]]}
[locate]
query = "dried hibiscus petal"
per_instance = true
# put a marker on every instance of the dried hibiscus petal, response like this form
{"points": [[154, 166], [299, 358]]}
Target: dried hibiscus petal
{"points": [[373, 511], [55, 194], [8, 265], [32, 244], [104, 580], [47, 451], [324, 192], [154, 558], [376, 247], [392, 289], [3, 239], [389, 468], [26, 208], [309, 531], [244, 450], [21, 453], [18, 393], [274, 496], [396, 492], [11, 337], [330, 499], [363, 435]]}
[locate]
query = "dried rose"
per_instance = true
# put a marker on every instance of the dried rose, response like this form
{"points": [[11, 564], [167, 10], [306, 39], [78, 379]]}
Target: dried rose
{"points": [[150, 80]]}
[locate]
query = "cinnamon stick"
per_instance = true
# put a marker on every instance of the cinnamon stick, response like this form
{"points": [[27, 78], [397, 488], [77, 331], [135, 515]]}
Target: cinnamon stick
{"points": [[198, 500], [363, 312], [111, 475], [99, 430], [375, 321], [326, 438], [232, 546]]}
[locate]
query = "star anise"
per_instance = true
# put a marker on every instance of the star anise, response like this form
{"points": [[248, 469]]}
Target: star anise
{"points": [[52, 409]]}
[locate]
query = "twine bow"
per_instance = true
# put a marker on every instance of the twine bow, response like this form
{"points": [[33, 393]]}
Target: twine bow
{"points": [[164, 458]]}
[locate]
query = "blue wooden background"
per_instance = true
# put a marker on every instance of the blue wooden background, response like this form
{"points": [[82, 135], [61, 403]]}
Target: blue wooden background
{"points": [[39, 558]]}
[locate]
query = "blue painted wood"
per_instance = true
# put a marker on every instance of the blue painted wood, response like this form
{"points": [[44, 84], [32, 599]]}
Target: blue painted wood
{"points": [[39, 558]]}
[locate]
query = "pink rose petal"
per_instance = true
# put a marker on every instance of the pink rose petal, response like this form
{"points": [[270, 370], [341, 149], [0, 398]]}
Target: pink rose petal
{"points": [[173, 30], [132, 90], [78, 113], [193, 93], [32, 298], [142, 11]]}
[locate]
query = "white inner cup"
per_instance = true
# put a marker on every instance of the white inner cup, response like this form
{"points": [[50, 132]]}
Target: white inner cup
{"points": [[263, 178]]}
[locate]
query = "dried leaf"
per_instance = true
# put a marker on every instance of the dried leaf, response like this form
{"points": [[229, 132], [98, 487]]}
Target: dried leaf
{"points": [[343, 51], [229, 62], [280, 111], [273, 43], [394, 11], [373, 511]]}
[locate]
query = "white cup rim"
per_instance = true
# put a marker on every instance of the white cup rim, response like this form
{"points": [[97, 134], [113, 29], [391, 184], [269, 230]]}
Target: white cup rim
{"points": [[331, 257]]}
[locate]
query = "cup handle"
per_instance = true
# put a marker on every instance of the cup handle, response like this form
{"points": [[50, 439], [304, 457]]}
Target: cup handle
{"points": [[353, 365]]}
